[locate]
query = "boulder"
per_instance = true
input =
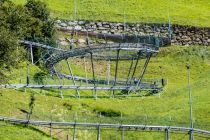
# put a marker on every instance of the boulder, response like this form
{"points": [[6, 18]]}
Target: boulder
{"points": [[78, 28], [69, 28], [81, 22], [63, 24], [71, 23], [104, 32]]}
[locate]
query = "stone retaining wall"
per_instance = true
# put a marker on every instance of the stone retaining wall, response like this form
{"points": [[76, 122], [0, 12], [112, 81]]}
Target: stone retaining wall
{"points": [[181, 35]]}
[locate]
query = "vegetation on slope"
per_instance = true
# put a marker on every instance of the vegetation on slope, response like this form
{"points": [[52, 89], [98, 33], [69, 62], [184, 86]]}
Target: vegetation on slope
{"points": [[191, 12]]}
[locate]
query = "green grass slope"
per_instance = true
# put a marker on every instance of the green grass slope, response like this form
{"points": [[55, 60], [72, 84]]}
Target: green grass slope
{"points": [[191, 12], [169, 108], [18, 132]]}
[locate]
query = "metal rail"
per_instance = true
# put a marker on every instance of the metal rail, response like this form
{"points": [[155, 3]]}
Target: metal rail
{"points": [[21, 86], [124, 126], [39, 45]]}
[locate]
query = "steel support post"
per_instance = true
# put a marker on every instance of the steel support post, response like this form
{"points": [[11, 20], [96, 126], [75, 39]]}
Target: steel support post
{"points": [[116, 69], [134, 70], [108, 74], [123, 133], [167, 134], [94, 82], [129, 72], [144, 69], [190, 104], [32, 57], [61, 93], [85, 70], [74, 133], [71, 73], [99, 133]]}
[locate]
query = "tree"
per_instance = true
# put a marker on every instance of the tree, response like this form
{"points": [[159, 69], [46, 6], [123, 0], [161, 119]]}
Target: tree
{"points": [[38, 9], [10, 51], [29, 22]]}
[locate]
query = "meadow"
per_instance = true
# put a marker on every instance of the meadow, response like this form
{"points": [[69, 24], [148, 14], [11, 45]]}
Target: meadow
{"points": [[183, 12]]}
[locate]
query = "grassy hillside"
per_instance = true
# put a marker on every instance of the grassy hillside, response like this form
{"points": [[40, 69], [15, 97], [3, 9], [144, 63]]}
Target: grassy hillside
{"points": [[190, 12], [169, 108], [8, 132]]}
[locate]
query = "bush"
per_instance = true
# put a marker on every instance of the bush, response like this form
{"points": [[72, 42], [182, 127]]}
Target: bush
{"points": [[107, 112]]}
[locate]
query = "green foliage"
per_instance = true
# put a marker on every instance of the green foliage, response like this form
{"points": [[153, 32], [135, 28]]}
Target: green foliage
{"points": [[9, 53], [107, 112], [30, 22], [39, 77], [42, 27], [38, 9]]}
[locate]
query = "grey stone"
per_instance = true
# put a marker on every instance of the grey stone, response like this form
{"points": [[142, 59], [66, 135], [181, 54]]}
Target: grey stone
{"points": [[78, 28], [104, 32], [71, 40], [99, 24], [70, 23], [106, 26], [69, 28], [63, 24], [81, 22]]}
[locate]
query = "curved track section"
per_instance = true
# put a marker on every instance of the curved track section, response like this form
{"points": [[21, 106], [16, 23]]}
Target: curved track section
{"points": [[142, 48], [142, 51]]}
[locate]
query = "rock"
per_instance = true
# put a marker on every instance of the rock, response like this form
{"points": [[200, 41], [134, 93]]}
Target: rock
{"points": [[81, 41], [104, 32], [69, 28], [101, 28], [63, 24], [99, 24], [70, 23], [112, 31], [64, 43], [197, 39], [71, 40], [106, 26], [78, 28], [81, 22]]}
